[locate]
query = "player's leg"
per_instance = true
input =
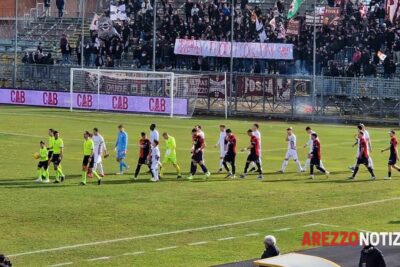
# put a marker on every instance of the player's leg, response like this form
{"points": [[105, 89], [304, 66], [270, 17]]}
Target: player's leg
{"points": [[177, 168], [45, 172], [311, 170], [85, 163], [285, 162], [259, 168], [246, 166], [297, 161], [224, 163], [369, 168], [307, 163], [94, 172], [39, 173], [389, 176], [154, 170], [193, 169], [356, 168], [221, 160], [138, 166], [233, 164], [204, 168]]}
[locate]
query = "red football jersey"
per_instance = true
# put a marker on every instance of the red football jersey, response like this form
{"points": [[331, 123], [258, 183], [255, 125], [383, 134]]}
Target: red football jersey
{"points": [[317, 149], [231, 142], [393, 145], [363, 148], [255, 150]]}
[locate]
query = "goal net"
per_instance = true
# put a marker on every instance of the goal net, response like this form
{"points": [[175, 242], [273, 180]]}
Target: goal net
{"points": [[158, 93]]}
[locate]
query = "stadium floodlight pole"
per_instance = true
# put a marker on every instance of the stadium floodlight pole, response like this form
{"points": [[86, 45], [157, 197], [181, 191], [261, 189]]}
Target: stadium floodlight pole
{"points": [[226, 97], [83, 30], [154, 33], [16, 45], [314, 60], [231, 62]]}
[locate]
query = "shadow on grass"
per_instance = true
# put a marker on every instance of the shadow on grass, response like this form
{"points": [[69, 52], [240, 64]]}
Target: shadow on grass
{"points": [[394, 222]]}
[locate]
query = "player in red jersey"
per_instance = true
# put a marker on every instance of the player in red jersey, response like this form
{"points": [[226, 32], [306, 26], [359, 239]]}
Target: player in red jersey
{"points": [[363, 157], [198, 155], [145, 147], [316, 156], [254, 155], [230, 155], [394, 155]]}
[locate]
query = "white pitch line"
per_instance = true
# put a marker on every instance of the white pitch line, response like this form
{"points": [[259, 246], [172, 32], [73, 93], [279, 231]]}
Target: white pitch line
{"points": [[253, 234], [133, 253], [166, 248], [99, 259], [198, 243], [282, 229], [311, 224], [61, 264], [226, 238], [329, 225], [209, 227]]}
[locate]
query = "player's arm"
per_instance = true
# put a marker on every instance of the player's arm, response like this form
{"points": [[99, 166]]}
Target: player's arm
{"points": [[386, 149], [203, 145], [370, 144]]}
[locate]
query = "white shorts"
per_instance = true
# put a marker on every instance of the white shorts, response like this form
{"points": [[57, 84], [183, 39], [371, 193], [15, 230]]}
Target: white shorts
{"points": [[222, 153], [291, 153], [97, 158], [154, 165]]}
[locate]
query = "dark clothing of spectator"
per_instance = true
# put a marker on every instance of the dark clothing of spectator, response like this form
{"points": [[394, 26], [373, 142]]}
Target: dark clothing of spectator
{"points": [[270, 251], [60, 7], [371, 257], [369, 70]]}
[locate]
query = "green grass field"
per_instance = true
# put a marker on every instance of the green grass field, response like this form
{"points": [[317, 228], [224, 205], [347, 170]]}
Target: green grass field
{"points": [[178, 223]]}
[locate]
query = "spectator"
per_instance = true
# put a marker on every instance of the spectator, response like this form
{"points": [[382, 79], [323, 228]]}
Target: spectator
{"points": [[40, 48], [4, 261], [46, 4], [65, 49], [271, 250], [99, 61], [371, 257], [389, 67], [109, 62], [60, 7], [369, 70]]}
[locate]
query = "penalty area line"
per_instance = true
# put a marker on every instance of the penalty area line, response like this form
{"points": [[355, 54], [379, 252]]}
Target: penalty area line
{"points": [[209, 227]]}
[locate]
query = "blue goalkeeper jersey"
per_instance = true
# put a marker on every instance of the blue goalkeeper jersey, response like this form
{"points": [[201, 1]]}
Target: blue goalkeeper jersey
{"points": [[122, 141]]}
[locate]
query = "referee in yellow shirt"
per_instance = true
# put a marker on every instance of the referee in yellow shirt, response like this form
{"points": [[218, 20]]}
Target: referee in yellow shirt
{"points": [[88, 161]]}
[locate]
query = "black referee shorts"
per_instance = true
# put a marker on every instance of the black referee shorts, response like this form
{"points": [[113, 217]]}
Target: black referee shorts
{"points": [[85, 162]]}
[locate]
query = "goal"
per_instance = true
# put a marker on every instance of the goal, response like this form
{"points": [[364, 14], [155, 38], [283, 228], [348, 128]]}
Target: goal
{"points": [[144, 92]]}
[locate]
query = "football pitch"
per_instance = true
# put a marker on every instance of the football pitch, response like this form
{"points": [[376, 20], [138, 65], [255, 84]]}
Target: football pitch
{"points": [[179, 222]]}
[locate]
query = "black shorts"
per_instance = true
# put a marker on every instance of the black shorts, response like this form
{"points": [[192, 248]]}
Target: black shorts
{"points": [[392, 159], [315, 161], [253, 158], [43, 164], [55, 158], [142, 160], [229, 157], [197, 156], [85, 162], [50, 154], [362, 160]]}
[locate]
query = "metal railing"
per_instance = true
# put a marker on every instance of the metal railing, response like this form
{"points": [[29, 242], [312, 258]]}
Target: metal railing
{"points": [[292, 97]]}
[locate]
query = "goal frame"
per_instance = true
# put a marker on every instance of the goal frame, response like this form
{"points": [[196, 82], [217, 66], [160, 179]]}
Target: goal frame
{"points": [[99, 70]]}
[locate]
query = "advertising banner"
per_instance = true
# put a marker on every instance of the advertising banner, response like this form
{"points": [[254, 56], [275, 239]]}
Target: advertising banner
{"points": [[121, 103], [240, 50]]}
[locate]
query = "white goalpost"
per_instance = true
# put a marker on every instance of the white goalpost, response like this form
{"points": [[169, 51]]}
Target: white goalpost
{"points": [[144, 92]]}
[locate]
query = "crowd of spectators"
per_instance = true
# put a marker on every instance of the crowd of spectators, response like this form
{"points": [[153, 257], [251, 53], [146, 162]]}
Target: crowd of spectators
{"points": [[348, 49]]}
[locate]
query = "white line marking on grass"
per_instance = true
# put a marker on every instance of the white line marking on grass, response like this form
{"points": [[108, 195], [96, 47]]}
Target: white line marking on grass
{"points": [[133, 253], [209, 227], [226, 238], [311, 224], [198, 243], [252, 234], [166, 248], [99, 259], [61, 264], [329, 225], [282, 229]]}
